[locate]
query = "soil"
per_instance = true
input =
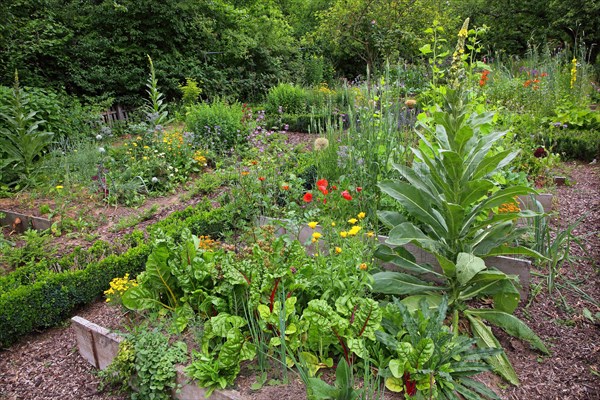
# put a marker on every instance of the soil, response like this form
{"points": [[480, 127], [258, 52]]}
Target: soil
{"points": [[47, 365]]}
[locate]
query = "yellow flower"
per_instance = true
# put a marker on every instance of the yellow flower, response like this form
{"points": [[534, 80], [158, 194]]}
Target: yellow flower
{"points": [[338, 250], [363, 267], [344, 234], [463, 33], [59, 187], [313, 224], [370, 234], [361, 215], [352, 221], [354, 230], [134, 144], [333, 224], [316, 235], [146, 147]]}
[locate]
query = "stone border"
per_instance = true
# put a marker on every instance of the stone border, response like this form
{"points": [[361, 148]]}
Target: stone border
{"points": [[98, 346], [25, 221]]}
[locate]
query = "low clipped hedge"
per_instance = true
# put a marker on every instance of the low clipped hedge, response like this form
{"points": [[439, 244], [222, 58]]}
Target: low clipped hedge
{"points": [[38, 298]]}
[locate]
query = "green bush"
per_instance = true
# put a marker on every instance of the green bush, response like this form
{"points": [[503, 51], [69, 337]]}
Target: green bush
{"points": [[574, 145], [217, 126], [286, 98]]}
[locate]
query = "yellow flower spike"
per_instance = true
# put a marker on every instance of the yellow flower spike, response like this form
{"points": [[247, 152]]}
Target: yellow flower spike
{"points": [[316, 235], [352, 221], [338, 250], [313, 224], [363, 267], [344, 234], [361, 215]]}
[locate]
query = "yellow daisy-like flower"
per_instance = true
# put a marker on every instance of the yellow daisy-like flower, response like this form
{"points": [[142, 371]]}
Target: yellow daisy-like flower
{"points": [[316, 235], [363, 267], [338, 250], [352, 221], [333, 224], [354, 230], [344, 234], [59, 187], [361, 215], [370, 234], [313, 224]]}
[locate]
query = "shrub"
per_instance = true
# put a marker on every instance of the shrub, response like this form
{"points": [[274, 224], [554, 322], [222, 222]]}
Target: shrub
{"points": [[217, 126], [286, 98], [574, 145]]}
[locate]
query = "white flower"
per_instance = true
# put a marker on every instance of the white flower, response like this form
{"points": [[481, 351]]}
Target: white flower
{"points": [[98, 137], [154, 179], [101, 150]]}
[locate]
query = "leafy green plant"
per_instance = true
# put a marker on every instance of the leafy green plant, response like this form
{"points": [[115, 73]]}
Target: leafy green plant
{"points": [[286, 98], [217, 126], [342, 389], [453, 208], [190, 91], [135, 219], [224, 346], [22, 138], [429, 361], [553, 244]]}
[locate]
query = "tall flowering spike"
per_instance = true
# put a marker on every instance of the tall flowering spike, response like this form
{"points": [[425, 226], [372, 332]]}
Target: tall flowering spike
{"points": [[573, 72], [457, 71]]}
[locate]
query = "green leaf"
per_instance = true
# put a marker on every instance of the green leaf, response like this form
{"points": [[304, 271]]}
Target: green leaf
{"points": [[408, 233], [467, 266], [394, 384], [414, 202], [396, 367], [390, 218], [404, 259], [511, 325], [389, 282], [486, 339], [413, 303]]}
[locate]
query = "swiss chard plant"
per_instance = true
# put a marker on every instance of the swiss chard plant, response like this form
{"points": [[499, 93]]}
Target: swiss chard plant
{"points": [[453, 213]]}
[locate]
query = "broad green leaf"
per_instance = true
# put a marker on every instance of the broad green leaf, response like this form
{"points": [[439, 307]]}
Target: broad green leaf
{"points": [[511, 325], [389, 282], [396, 367], [423, 352], [413, 303], [481, 282], [140, 298], [486, 339], [447, 266], [394, 384], [391, 218], [322, 390], [403, 259], [467, 266], [263, 312], [408, 233]]}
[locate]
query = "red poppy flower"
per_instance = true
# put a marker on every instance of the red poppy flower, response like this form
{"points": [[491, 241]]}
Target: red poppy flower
{"points": [[285, 187], [261, 178], [359, 189], [322, 186], [346, 195], [307, 197], [333, 187]]}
